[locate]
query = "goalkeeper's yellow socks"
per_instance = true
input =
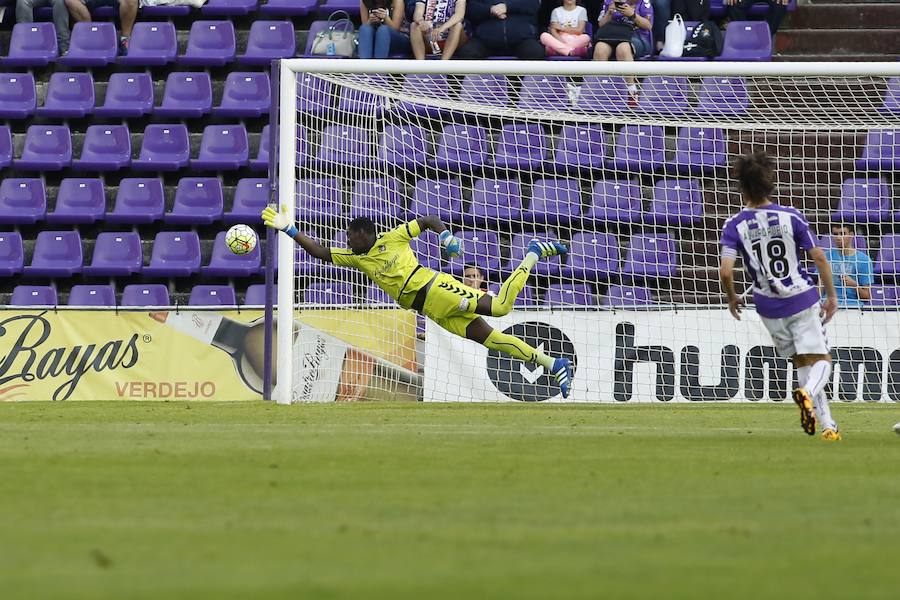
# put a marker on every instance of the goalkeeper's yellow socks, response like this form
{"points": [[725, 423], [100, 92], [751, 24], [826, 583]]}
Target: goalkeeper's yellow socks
{"points": [[503, 302], [510, 344]]}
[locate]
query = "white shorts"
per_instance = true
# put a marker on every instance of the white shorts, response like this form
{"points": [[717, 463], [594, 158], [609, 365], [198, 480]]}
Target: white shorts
{"points": [[802, 333]]}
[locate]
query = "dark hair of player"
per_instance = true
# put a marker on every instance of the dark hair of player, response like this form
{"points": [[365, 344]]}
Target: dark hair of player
{"points": [[362, 224], [755, 174]]}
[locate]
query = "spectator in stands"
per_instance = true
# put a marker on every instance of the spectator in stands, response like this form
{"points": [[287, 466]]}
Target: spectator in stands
{"points": [[383, 29], [566, 36], [737, 11], [505, 28], [25, 14], [81, 12], [624, 28], [474, 278], [853, 270], [438, 27]]}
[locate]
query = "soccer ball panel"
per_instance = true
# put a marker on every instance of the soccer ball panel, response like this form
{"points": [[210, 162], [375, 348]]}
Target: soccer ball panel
{"points": [[241, 239]]}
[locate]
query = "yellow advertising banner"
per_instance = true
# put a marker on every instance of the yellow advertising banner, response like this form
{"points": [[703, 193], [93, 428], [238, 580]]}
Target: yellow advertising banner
{"points": [[183, 355]]}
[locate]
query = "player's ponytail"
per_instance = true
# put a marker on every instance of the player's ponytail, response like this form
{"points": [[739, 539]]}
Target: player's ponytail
{"points": [[755, 174]]}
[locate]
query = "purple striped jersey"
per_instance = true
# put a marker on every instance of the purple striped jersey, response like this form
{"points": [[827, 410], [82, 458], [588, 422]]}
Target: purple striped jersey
{"points": [[772, 240]]}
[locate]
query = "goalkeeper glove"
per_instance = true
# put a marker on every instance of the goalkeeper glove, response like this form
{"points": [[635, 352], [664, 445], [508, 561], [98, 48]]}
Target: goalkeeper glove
{"points": [[279, 221], [452, 245]]}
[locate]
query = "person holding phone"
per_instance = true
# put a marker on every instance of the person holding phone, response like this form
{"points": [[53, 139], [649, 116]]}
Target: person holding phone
{"points": [[384, 28], [624, 29]]}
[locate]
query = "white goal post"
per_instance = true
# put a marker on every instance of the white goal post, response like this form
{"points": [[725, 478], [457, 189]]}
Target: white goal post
{"points": [[638, 185]]}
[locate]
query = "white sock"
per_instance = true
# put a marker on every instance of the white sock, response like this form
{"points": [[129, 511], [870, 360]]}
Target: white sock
{"points": [[632, 89], [817, 378], [802, 375], [530, 260], [823, 412]]}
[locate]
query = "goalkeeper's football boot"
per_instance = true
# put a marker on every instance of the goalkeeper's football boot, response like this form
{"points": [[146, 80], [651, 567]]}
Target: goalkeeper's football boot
{"points": [[545, 249], [807, 416], [562, 372], [831, 435]]}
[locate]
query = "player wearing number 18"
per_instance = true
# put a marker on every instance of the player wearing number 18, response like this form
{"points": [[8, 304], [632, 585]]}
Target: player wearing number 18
{"points": [[772, 240], [389, 262]]}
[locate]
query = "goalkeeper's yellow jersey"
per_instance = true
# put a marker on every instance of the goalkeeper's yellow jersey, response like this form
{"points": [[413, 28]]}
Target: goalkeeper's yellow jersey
{"points": [[390, 263]]}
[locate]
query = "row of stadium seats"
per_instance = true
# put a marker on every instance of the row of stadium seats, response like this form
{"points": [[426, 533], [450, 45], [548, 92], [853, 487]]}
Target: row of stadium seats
{"points": [[219, 8]]}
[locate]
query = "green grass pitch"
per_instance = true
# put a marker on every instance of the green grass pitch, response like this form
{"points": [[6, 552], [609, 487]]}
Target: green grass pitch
{"points": [[250, 500]]}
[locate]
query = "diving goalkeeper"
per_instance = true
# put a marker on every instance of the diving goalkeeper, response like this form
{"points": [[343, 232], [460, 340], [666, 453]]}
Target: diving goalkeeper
{"points": [[388, 261]]}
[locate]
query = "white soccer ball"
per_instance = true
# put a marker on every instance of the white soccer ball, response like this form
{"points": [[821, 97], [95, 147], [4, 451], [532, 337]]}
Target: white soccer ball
{"points": [[897, 428], [241, 239]]}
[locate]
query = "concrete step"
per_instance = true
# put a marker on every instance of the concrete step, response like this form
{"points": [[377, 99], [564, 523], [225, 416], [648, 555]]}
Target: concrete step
{"points": [[838, 41], [846, 15]]}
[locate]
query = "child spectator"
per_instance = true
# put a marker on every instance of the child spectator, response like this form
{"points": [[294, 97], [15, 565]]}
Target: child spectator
{"points": [[381, 33], [438, 27], [566, 36]]}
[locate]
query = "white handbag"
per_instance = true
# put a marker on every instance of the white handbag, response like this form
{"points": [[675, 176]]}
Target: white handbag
{"points": [[675, 36]]}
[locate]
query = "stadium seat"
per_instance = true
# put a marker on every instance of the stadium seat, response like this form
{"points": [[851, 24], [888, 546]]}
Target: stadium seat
{"points": [[31, 45], [212, 295], [175, 254], [544, 92], [166, 10], [526, 298], [664, 95], [329, 294], [319, 200], [145, 294], [551, 266], [255, 295], [864, 201], [376, 295], [269, 40], [570, 294], [676, 202], [153, 43], [164, 148], [462, 148], [6, 147], [494, 202], [217, 8], [56, 254], [79, 200], [223, 148], [427, 85], [357, 102], [198, 201], [225, 263], [92, 295], [116, 254], [287, 7], [615, 201], [138, 201], [891, 103], [46, 148], [554, 202], [329, 6], [92, 44], [748, 41], [261, 162], [428, 250], [106, 148], [309, 266], [12, 253], [651, 255], [621, 296], [881, 152], [523, 147], [888, 261], [379, 199], [18, 98], [481, 249], [251, 196], [699, 151], [23, 201], [826, 242], [722, 97], [441, 197], [603, 93], [245, 95], [127, 95], [69, 95], [187, 96], [344, 145], [314, 94], [485, 90], [210, 44], [33, 295], [640, 149], [580, 147], [403, 146], [885, 295], [592, 256]]}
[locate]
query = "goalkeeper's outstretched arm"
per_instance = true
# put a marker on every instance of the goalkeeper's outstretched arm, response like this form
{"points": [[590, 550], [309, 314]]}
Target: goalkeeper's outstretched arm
{"points": [[281, 222], [449, 242]]}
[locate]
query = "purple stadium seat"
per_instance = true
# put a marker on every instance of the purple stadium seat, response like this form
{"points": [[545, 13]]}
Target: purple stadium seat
{"points": [[864, 201], [623, 296], [616, 201], [145, 294], [570, 294], [640, 148], [245, 95], [92, 295], [223, 148], [31, 45], [441, 197], [344, 145], [747, 40], [592, 256], [287, 7], [56, 254], [525, 299], [138, 201], [33, 295], [603, 93], [127, 95], [554, 202], [885, 295], [485, 90], [93, 44], [187, 95], [723, 97], [544, 92], [379, 199], [18, 99], [166, 10], [116, 254], [676, 202], [212, 295], [308, 266], [376, 295], [268, 41], [261, 162], [175, 254], [22, 201], [881, 152], [251, 195], [329, 6], [329, 294], [47, 148], [152, 44], [68, 95], [428, 250], [79, 201], [888, 261], [826, 242], [580, 147], [255, 295], [699, 150], [403, 146], [522, 147], [216, 8], [210, 44], [314, 94], [551, 266], [891, 104], [198, 201], [462, 148], [651, 255], [12, 253], [319, 200], [357, 102], [6, 147], [664, 95], [481, 249], [494, 201], [106, 148], [165, 148], [426, 85], [225, 263]]}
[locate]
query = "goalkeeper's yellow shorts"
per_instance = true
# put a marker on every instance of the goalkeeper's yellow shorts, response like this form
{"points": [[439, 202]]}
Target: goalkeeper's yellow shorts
{"points": [[451, 304]]}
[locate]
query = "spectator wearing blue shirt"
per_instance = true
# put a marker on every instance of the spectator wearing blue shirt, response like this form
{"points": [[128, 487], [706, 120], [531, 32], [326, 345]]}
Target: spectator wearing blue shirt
{"points": [[853, 270]]}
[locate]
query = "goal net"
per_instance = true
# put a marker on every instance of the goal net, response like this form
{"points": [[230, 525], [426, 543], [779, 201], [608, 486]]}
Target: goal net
{"points": [[637, 186]]}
